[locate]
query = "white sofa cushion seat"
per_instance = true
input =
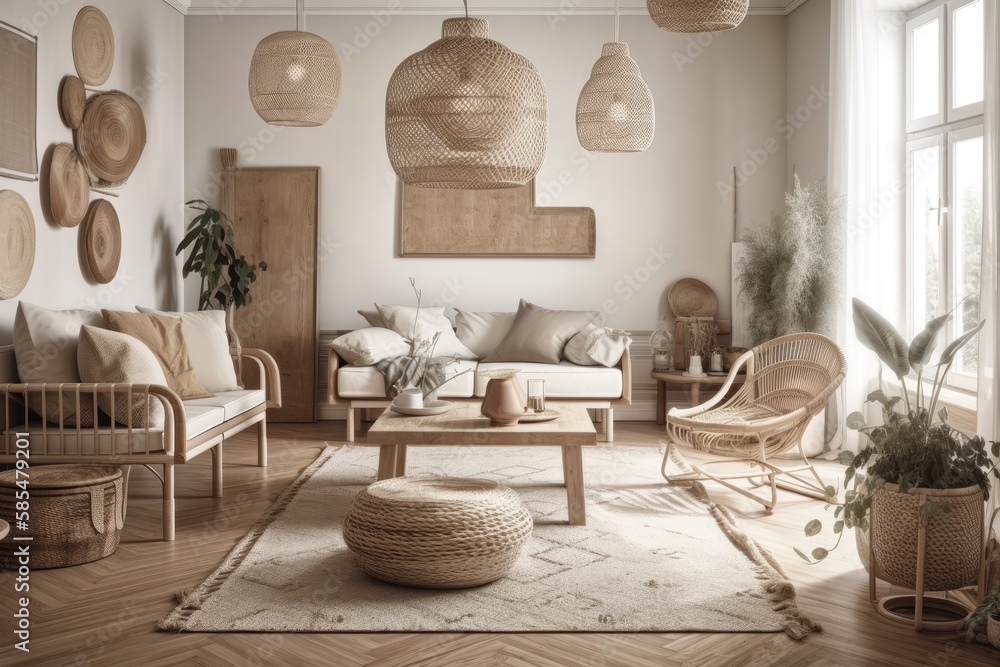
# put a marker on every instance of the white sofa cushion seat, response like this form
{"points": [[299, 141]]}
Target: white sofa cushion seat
{"points": [[367, 382], [233, 403], [562, 380]]}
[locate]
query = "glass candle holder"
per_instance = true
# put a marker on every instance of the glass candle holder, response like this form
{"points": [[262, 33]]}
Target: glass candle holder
{"points": [[663, 359], [536, 395]]}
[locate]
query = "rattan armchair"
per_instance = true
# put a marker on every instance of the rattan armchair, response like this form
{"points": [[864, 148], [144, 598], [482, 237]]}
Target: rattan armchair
{"points": [[789, 380]]}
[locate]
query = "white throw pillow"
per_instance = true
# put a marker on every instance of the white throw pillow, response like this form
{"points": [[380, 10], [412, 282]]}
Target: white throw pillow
{"points": [[109, 356], [367, 347], [482, 332], [432, 320], [45, 344], [596, 345], [208, 347]]}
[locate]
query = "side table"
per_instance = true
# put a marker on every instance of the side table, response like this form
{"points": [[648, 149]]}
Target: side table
{"points": [[663, 378]]}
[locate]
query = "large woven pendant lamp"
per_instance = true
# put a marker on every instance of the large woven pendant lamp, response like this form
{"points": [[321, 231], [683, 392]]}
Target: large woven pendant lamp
{"points": [[295, 76], [697, 15], [466, 113], [615, 111]]}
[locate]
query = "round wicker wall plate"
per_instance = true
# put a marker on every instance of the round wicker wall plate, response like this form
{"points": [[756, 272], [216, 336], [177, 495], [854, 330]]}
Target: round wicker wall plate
{"points": [[17, 243], [690, 297], [111, 138], [72, 101], [69, 186], [93, 46], [103, 241]]}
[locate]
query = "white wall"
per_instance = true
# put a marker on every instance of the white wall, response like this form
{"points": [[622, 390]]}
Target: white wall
{"points": [[808, 85], [149, 65], [716, 102]]}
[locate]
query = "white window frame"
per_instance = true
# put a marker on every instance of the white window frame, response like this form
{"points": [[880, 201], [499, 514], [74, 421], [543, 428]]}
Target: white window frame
{"points": [[933, 141], [969, 110], [939, 118]]}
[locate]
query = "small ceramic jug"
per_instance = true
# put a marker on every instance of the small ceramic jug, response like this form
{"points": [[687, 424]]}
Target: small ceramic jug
{"points": [[503, 403]]}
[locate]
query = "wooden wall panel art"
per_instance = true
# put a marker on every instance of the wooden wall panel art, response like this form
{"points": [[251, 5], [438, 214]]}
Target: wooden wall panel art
{"points": [[491, 223]]}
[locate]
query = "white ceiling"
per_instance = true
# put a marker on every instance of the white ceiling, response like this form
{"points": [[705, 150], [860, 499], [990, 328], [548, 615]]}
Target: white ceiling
{"points": [[214, 7]]}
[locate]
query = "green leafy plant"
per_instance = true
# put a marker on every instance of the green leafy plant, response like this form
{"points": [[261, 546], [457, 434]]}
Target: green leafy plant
{"points": [[789, 270], [976, 624], [909, 448], [226, 275]]}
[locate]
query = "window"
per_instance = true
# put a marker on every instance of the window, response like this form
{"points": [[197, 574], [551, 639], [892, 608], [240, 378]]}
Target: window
{"points": [[944, 171]]}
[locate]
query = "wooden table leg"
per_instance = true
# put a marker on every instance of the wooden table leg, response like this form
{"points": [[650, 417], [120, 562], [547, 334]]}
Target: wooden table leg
{"points": [[400, 460], [573, 477], [387, 461], [695, 394], [661, 402]]}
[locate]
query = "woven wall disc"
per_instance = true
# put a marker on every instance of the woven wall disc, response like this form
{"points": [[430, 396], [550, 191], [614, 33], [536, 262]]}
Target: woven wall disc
{"points": [[93, 46], [72, 101], [111, 138], [69, 186], [689, 297], [103, 240], [17, 243]]}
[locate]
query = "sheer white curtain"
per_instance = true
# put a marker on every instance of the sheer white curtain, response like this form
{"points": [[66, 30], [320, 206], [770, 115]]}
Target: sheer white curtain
{"points": [[853, 173], [989, 295]]}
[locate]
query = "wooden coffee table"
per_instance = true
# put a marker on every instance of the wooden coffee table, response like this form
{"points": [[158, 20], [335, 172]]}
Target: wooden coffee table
{"points": [[465, 426]]}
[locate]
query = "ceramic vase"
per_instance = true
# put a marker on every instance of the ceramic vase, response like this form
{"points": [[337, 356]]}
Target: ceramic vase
{"points": [[503, 403]]}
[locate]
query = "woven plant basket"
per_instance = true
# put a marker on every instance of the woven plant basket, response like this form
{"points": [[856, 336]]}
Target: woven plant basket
{"points": [[295, 79], [437, 532], [76, 513], [466, 113], [993, 632], [697, 15], [614, 113], [953, 542]]}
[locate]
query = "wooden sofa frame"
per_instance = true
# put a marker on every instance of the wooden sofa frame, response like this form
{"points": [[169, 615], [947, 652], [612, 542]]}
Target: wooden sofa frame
{"points": [[605, 406], [177, 447]]}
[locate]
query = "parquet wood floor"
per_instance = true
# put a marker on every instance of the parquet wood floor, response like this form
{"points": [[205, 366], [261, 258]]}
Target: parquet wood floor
{"points": [[103, 614]]}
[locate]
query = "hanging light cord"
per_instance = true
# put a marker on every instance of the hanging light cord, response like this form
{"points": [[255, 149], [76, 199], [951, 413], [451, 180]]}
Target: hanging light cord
{"points": [[300, 15], [616, 20], [466, 3]]}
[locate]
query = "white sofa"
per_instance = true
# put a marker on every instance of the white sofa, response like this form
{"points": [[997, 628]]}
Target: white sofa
{"points": [[596, 387], [189, 428]]}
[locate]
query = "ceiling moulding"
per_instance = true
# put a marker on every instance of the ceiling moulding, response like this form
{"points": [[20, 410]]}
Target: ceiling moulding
{"points": [[223, 8]]}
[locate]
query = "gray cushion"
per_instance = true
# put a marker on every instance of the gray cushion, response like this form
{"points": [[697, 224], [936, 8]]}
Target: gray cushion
{"points": [[539, 334]]}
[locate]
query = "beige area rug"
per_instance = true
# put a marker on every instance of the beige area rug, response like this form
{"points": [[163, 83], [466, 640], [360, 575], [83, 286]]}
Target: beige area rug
{"points": [[652, 557]]}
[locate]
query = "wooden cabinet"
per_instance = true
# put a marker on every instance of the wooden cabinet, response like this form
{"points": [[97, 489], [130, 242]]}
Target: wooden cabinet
{"points": [[275, 212]]}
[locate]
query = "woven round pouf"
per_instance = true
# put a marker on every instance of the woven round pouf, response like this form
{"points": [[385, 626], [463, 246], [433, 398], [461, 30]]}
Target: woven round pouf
{"points": [[437, 532], [75, 514]]}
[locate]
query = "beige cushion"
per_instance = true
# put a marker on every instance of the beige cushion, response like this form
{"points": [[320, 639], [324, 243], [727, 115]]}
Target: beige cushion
{"points": [[597, 345], [109, 356], [208, 347], [373, 318], [164, 336], [482, 332], [563, 380], [539, 334], [45, 350], [233, 403], [432, 321], [366, 382], [367, 347]]}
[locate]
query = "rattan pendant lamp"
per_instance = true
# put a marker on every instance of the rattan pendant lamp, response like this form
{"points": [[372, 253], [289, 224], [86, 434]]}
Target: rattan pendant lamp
{"points": [[697, 15], [615, 111], [466, 113], [295, 76]]}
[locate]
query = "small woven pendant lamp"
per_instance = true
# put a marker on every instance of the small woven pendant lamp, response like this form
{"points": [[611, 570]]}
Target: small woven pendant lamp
{"points": [[466, 113], [615, 111], [295, 76], [697, 15]]}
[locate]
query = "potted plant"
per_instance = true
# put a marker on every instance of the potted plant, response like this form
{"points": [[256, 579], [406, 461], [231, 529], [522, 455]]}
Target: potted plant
{"points": [[984, 622], [915, 472], [226, 275]]}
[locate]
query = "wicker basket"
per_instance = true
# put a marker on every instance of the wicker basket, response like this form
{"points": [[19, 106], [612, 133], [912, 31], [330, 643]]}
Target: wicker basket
{"points": [[953, 542], [76, 513], [437, 532], [993, 632]]}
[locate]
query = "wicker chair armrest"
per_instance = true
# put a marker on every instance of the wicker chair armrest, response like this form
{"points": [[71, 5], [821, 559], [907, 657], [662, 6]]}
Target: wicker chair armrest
{"points": [[270, 376], [175, 424], [720, 395]]}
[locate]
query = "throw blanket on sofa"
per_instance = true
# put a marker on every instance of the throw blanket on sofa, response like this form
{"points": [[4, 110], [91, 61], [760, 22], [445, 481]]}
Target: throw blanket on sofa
{"points": [[411, 371]]}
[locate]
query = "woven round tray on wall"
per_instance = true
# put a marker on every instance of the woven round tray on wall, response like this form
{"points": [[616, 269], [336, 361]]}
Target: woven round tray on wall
{"points": [[103, 241], [72, 101], [689, 297], [69, 186], [17, 243], [111, 138], [93, 46]]}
